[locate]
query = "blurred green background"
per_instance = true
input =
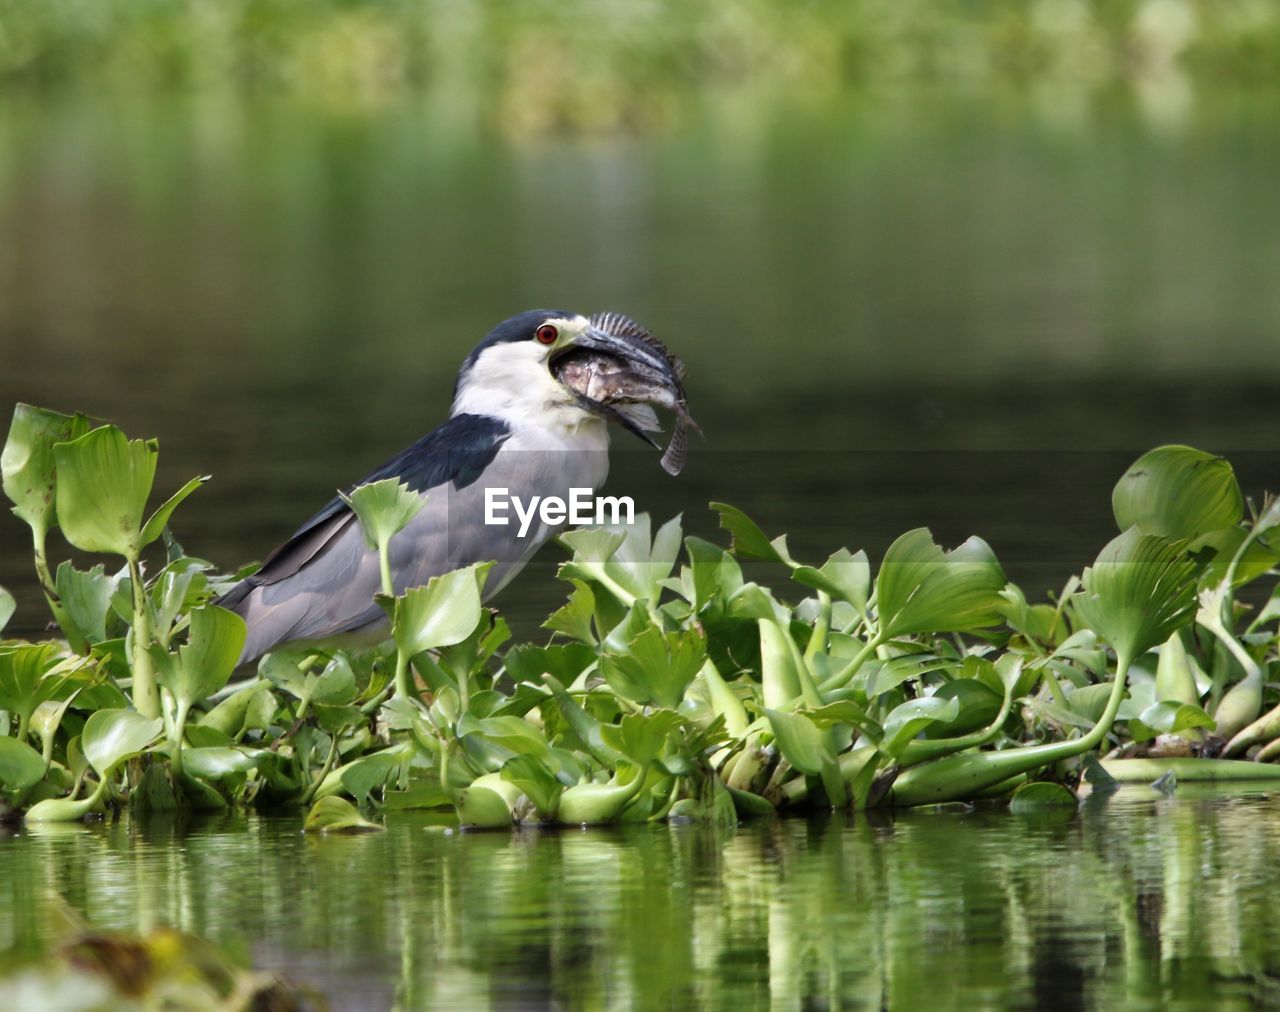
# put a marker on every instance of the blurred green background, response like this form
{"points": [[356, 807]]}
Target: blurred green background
{"points": [[929, 263]]}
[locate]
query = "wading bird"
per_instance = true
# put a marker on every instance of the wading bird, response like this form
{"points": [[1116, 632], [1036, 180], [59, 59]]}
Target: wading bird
{"points": [[518, 423]]}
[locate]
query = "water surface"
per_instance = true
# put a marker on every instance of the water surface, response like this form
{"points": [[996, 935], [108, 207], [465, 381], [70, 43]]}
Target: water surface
{"points": [[1142, 902]]}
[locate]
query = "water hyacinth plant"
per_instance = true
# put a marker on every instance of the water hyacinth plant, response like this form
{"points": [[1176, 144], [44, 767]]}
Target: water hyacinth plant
{"points": [[668, 685]]}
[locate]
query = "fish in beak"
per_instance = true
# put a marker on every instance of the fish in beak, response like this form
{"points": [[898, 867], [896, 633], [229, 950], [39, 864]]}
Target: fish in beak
{"points": [[617, 370]]}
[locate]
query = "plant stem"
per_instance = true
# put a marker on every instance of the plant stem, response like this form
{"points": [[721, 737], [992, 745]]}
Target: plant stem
{"points": [[845, 675], [76, 641], [179, 723], [314, 786], [384, 566], [404, 689], [961, 776], [146, 699]]}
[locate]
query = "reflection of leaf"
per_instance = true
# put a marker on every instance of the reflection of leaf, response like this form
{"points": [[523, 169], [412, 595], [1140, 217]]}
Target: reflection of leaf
{"points": [[1042, 797]]}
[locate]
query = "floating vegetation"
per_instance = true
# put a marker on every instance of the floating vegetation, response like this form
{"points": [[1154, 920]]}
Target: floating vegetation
{"points": [[669, 686]]}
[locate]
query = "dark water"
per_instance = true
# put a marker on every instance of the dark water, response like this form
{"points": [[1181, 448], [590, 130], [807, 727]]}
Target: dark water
{"points": [[972, 317], [1144, 902]]}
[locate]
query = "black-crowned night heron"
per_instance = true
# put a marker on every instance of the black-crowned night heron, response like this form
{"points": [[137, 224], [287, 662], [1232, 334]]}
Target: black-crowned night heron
{"points": [[513, 425]]}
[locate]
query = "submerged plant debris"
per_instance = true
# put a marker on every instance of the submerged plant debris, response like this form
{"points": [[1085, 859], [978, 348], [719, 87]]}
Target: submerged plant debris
{"points": [[668, 686]]}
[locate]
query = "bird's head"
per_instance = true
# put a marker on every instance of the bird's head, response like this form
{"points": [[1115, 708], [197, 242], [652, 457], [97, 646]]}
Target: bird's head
{"points": [[512, 373]]}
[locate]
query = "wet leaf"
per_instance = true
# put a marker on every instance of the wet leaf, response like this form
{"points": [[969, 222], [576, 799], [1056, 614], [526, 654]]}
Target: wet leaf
{"points": [[1177, 492]]}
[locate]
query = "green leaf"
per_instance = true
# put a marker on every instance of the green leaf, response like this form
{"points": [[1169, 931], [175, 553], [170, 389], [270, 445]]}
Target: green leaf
{"points": [[845, 576], [800, 741], [218, 763], [445, 611], [25, 676], [910, 718], [20, 764], [748, 540], [86, 597], [112, 736], [714, 572], [103, 481], [641, 737], [337, 815], [384, 508], [7, 607], [1042, 796], [657, 667], [1139, 590], [921, 588], [1170, 716], [574, 618], [155, 526], [535, 781], [27, 462], [205, 663], [528, 663], [1177, 492]]}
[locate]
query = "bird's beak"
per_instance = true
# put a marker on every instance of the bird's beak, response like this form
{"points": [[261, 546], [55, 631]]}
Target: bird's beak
{"points": [[617, 335], [621, 337]]}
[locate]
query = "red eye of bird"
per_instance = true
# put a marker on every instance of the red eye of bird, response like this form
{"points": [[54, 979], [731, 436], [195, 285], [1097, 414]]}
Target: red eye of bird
{"points": [[547, 333]]}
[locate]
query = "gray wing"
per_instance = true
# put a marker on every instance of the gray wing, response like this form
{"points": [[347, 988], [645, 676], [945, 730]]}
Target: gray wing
{"points": [[321, 582]]}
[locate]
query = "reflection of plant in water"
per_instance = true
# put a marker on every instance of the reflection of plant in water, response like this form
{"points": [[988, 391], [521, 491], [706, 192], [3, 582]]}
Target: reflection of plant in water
{"points": [[672, 687], [1145, 900]]}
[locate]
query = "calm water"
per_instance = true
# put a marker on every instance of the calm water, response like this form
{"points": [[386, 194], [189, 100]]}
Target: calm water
{"points": [[1139, 903]]}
